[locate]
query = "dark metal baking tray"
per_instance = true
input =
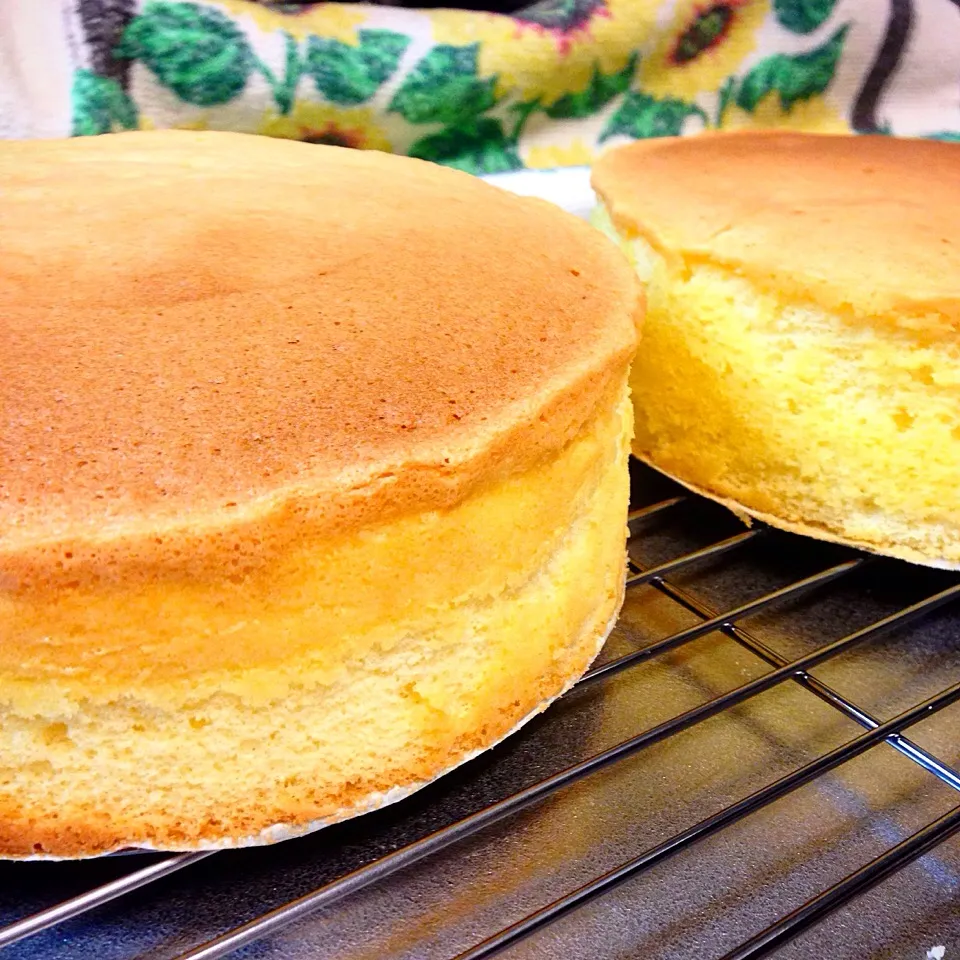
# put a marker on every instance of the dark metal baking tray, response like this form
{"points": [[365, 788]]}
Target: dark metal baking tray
{"points": [[714, 789]]}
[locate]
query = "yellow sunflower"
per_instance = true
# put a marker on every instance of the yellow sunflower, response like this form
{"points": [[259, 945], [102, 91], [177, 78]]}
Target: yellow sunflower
{"points": [[813, 115], [704, 44], [321, 123], [336, 21], [552, 47], [573, 154]]}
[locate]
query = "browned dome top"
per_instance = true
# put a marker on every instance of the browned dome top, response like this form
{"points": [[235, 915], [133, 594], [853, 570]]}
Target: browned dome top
{"points": [[195, 323], [868, 225]]}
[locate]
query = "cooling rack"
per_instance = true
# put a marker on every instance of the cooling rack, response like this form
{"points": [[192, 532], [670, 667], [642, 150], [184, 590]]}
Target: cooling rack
{"points": [[761, 761]]}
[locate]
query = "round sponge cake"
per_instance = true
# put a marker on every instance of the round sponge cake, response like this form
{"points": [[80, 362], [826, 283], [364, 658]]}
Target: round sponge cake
{"points": [[801, 357], [313, 481]]}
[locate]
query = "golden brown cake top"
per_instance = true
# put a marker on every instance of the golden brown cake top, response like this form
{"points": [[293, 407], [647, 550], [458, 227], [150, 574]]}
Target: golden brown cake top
{"points": [[866, 224], [204, 329]]}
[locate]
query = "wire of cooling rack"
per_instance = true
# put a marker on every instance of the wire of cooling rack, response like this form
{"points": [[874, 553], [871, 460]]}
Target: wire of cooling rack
{"points": [[889, 732], [909, 749], [96, 897]]}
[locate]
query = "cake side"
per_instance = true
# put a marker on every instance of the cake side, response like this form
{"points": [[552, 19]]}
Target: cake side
{"points": [[790, 413], [248, 741]]}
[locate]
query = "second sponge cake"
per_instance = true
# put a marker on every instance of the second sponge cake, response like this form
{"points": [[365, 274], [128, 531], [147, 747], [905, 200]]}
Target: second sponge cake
{"points": [[801, 357]]}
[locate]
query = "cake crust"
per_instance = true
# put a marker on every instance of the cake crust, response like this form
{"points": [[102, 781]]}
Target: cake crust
{"points": [[208, 338], [861, 225]]}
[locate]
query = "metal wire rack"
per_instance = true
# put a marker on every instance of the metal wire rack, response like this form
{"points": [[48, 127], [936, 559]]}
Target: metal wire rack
{"points": [[699, 547]]}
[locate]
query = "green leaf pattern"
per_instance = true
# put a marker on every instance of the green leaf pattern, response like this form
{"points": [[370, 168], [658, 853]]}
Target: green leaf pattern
{"points": [[481, 147], [444, 88], [197, 52], [792, 78], [351, 75], [602, 89], [452, 111], [100, 105], [803, 16], [641, 116]]}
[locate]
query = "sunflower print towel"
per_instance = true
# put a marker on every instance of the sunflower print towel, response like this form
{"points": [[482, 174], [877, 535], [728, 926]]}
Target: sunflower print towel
{"points": [[552, 84]]}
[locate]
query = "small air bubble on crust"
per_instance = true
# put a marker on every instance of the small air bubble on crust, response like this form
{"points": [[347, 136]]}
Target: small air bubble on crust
{"points": [[55, 733], [903, 419]]}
